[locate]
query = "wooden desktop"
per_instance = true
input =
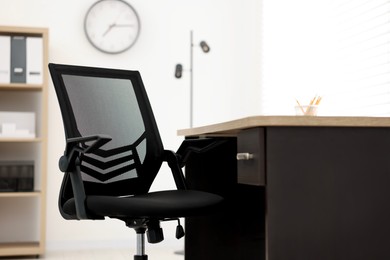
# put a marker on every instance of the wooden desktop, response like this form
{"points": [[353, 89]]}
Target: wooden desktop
{"points": [[303, 188]]}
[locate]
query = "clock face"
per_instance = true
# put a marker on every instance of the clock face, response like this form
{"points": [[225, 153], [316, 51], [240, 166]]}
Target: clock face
{"points": [[112, 26]]}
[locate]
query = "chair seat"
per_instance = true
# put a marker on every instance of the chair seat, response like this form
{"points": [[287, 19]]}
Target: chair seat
{"points": [[162, 204]]}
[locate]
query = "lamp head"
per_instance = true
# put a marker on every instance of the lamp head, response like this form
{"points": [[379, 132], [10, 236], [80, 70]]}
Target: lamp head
{"points": [[178, 71], [205, 47]]}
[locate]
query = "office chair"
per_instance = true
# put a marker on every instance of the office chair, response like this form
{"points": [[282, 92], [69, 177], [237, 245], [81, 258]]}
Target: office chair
{"points": [[114, 152]]}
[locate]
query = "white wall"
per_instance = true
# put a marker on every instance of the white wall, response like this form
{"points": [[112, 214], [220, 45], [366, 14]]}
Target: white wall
{"points": [[225, 81], [298, 54]]}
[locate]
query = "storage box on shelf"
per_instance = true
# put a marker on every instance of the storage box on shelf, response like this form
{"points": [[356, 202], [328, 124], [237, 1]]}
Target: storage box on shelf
{"points": [[23, 140]]}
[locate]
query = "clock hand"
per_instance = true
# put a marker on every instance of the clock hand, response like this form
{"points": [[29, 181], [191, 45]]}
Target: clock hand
{"points": [[108, 29], [123, 25], [113, 24], [116, 25]]}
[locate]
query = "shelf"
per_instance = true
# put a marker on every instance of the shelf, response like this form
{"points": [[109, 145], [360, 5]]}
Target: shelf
{"points": [[21, 87], [13, 30], [29, 227], [22, 248], [30, 194], [19, 140]]}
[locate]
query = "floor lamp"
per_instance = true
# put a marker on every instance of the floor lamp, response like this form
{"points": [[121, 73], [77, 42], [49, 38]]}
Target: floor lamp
{"points": [[179, 71]]}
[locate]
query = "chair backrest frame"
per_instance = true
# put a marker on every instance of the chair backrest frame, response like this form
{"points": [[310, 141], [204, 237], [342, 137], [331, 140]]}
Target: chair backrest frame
{"points": [[153, 157]]}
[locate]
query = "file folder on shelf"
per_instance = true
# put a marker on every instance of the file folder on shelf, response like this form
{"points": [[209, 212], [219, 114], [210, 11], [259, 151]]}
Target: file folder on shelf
{"points": [[34, 60], [5, 59], [18, 59]]}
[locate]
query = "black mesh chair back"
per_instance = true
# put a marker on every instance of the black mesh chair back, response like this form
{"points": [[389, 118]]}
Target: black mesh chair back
{"points": [[113, 102], [114, 152]]}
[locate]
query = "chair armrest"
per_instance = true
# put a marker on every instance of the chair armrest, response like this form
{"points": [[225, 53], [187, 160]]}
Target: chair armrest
{"points": [[70, 163], [198, 146], [173, 162], [78, 145], [177, 161]]}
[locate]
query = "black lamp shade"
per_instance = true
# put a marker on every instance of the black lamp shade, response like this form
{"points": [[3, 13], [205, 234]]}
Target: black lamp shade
{"points": [[178, 71], [205, 47]]}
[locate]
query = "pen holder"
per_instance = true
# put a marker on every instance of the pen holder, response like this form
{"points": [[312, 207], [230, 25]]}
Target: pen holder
{"points": [[310, 110]]}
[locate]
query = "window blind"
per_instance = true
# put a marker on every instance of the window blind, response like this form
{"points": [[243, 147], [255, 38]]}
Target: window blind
{"points": [[362, 57], [349, 64]]}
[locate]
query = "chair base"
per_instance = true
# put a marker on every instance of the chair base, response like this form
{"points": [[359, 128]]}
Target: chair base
{"points": [[140, 257]]}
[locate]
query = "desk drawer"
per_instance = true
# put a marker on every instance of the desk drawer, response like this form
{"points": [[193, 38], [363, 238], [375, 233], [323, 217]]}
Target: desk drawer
{"points": [[251, 157]]}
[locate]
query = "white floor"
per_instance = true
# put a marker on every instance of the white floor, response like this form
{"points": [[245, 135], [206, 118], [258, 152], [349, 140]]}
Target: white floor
{"points": [[117, 254]]}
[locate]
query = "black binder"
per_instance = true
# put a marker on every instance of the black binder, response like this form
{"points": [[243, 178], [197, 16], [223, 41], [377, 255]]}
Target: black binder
{"points": [[18, 59]]}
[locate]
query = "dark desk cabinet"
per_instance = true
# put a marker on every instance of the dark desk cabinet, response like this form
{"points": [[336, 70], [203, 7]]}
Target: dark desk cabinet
{"points": [[237, 229], [307, 193]]}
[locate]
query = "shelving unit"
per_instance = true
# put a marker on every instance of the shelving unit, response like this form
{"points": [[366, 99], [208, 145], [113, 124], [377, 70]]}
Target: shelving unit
{"points": [[23, 214]]}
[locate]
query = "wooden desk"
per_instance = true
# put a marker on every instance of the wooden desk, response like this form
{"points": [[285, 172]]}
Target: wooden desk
{"points": [[316, 188]]}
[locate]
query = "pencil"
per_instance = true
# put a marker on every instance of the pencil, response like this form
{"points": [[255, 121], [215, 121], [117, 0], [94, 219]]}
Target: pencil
{"points": [[318, 100], [303, 111]]}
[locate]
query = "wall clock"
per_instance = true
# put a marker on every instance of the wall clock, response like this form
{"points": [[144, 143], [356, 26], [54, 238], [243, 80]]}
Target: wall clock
{"points": [[112, 26]]}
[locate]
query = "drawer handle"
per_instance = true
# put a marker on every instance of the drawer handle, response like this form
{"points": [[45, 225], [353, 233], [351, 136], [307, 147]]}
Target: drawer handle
{"points": [[244, 156]]}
